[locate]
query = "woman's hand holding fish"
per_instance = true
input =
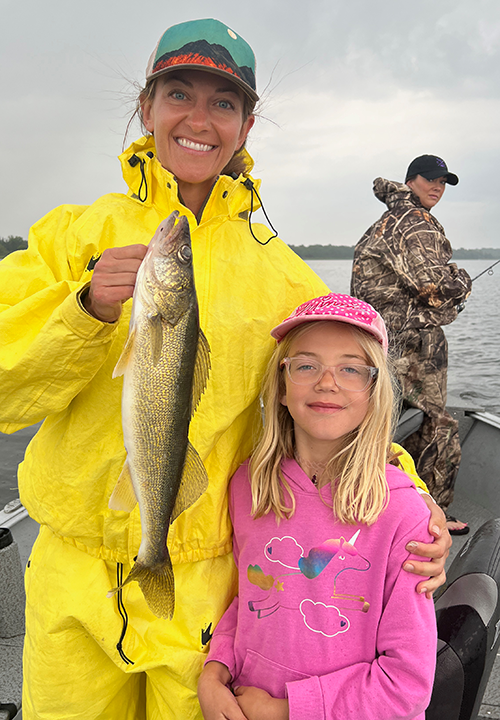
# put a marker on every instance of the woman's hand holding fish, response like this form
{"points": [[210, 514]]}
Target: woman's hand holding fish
{"points": [[259, 705], [113, 281], [437, 551], [216, 700]]}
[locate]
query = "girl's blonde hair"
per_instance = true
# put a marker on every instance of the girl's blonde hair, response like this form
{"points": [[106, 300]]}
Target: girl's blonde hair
{"points": [[356, 472]]}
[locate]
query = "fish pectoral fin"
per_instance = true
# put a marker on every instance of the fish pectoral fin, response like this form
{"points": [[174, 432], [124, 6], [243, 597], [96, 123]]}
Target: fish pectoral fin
{"points": [[123, 496], [201, 370], [194, 482], [124, 358], [156, 334]]}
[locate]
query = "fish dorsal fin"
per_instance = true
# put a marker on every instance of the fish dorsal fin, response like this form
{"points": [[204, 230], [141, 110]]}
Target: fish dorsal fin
{"points": [[194, 482], [201, 370], [123, 496], [124, 358], [156, 335]]}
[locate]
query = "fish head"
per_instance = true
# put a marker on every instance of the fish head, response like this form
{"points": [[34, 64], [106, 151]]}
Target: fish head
{"points": [[168, 278]]}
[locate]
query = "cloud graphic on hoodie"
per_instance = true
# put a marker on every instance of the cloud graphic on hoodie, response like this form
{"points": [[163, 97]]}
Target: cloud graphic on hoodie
{"points": [[286, 551], [323, 619]]}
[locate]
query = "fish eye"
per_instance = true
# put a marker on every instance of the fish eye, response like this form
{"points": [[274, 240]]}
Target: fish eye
{"points": [[185, 254]]}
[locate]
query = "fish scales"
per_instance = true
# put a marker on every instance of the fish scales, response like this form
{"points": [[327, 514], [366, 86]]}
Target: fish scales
{"points": [[165, 365]]}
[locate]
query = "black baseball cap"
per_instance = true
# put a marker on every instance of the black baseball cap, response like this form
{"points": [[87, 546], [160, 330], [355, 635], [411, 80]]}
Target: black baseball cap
{"points": [[430, 167]]}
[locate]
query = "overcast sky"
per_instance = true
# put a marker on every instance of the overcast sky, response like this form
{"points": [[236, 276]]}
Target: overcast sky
{"points": [[351, 91]]}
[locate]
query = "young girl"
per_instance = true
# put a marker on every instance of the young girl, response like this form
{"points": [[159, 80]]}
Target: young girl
{"points": [[326, 624]]}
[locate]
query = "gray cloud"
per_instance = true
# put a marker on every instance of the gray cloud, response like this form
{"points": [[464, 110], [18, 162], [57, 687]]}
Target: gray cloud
{"points": [[356, 91]]}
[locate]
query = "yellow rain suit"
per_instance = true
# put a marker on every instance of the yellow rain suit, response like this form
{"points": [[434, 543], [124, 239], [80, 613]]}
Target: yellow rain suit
{"points": [[82, 660]]}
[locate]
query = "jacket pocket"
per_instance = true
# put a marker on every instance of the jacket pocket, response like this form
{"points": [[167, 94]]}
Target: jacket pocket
{"points": [[258, 671]]}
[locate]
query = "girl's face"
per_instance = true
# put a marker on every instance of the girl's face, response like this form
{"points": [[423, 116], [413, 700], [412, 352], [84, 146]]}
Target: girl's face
{"points": [[197, 121], [429, 192], [322, 412]]}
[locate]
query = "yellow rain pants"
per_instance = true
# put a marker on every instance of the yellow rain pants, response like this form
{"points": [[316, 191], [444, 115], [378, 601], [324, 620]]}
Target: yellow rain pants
{"points": [[72, 667]]}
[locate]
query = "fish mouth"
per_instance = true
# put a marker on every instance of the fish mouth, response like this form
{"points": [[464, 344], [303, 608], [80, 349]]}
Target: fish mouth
{"points": [[192, 145], [168, 224], [178, 242]]}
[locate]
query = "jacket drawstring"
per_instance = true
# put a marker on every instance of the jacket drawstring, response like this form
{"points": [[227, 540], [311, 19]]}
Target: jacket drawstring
{"points": [[133, 162], [249, 184], [123, 613]]}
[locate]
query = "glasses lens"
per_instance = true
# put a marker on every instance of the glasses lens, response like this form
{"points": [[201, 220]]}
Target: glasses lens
{"points": [[352, 377], [304, 371]]}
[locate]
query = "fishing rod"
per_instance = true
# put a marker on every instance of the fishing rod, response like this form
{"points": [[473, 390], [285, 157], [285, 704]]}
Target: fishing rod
{"points": [[489, 270]]}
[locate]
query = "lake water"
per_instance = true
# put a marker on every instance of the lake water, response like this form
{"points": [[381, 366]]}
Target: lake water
{"points": [[473, 339]]}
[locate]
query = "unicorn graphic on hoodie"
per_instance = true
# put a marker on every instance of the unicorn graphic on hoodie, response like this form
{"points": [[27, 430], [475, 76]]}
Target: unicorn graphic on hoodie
{"points": [[289, 589]]}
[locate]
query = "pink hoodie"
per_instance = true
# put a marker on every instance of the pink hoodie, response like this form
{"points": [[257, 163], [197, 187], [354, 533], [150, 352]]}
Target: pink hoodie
{"points": [[325, 615]]}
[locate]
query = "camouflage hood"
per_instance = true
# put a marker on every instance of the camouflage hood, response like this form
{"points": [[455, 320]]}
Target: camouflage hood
{"points": [[393, 193]]}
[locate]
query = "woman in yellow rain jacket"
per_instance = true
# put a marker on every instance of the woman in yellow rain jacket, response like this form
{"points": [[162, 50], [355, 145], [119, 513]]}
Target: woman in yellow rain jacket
{"points": [[65, 311]]}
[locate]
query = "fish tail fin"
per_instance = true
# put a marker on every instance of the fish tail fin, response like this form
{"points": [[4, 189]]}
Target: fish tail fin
{"points": [[157, 585]]}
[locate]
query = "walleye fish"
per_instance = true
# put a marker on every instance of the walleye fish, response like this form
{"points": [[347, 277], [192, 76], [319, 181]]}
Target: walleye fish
{"points": [[165, 364]]}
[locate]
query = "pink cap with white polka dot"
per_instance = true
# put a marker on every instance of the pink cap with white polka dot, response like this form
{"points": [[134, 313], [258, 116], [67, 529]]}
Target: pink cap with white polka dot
{"points": [[341, 308]]}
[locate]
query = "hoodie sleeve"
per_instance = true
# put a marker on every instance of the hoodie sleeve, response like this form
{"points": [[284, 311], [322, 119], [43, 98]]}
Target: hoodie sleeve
{"points": [[222, 642], [50, 347], [398, 683]]}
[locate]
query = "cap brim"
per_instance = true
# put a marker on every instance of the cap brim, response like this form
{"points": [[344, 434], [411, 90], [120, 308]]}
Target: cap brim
{"points": [[215, 71], [279, 332], [450, 178]]}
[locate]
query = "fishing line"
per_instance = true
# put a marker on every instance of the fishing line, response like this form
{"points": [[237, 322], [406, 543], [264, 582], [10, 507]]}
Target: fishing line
{"points": [[123, 613], [488, 270]]}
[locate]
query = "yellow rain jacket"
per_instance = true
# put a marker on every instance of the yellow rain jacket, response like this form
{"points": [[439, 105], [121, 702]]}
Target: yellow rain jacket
{"points": [[56, 362]]}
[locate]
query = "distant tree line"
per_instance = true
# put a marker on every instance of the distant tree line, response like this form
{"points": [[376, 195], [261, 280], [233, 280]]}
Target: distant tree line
{"points": [[307, 252], [477, 254], [346, 252], [8, 245], [324, 252]]}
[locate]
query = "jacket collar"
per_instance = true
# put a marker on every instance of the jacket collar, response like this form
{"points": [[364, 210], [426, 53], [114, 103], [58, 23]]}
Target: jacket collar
{"points": [[150, 184]]}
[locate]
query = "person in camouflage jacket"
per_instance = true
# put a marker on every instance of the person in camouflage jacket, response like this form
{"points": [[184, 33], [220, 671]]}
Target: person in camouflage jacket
{"points": [[401, 267]]}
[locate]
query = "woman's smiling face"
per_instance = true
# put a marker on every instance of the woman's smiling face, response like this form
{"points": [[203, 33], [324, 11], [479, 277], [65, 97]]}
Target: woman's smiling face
{"points": [[323, 412], [197, 121]]}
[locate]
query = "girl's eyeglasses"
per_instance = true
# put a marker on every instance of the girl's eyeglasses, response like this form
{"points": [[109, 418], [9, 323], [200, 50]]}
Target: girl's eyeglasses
{"points": [[349, 376]]}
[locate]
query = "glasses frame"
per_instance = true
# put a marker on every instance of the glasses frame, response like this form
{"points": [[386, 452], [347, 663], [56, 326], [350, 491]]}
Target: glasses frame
{"points": [[324, 368]]}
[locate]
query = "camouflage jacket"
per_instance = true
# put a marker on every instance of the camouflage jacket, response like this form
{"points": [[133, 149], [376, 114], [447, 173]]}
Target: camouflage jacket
{"points": [[401, 264]]}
